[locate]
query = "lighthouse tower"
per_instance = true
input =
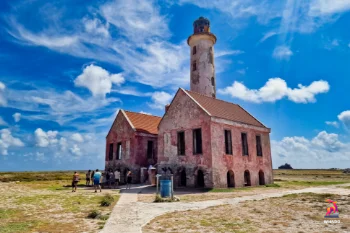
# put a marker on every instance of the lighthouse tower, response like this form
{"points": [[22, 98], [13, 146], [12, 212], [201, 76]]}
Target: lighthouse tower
{"points": [[202, 58]]}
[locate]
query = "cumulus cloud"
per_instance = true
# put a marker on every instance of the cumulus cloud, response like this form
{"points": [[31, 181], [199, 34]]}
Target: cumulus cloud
{"points": [[7, 140], [77, 137], [332, 123], [3, 101], [44, 139], [16, 117], [160, 99], [75, 150], [98, 80], [326, 148], [276, 89], [282, 53], [345, 118]]}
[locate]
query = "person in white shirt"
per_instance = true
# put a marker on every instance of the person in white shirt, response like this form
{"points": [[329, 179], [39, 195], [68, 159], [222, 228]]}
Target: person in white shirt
{"points": [[117, 177]]}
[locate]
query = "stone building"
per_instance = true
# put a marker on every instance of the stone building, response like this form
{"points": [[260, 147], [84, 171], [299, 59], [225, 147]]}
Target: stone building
{"points": [[206, 142], [131, 143]]}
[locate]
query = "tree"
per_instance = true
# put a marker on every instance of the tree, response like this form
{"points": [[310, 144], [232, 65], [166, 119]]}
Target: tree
{"points": [[285, 166]]}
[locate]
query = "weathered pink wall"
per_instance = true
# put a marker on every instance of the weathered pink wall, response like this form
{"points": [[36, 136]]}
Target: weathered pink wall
{"points": [[236, 162], [134, 148], [185, 115]]}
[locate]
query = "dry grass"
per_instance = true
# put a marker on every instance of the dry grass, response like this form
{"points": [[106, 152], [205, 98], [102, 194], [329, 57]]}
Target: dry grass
{"points": [[291, 213], [47, 206]]}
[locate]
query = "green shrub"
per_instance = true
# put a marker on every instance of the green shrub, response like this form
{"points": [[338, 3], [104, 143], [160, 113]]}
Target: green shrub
{"points": [[94, 214], [160, 199], [272, 185], [104, 217], [107, 200]]}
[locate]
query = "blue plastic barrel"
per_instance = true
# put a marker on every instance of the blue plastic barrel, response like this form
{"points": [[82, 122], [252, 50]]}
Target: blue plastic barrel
{"points": [[165, 188]]}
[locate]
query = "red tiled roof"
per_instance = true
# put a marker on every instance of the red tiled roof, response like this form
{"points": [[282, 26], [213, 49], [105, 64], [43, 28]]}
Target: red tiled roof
{"points": [[144, 123], [225, 110]]}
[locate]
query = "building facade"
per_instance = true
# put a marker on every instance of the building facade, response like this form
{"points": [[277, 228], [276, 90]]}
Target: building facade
{"points": [[131, 143], [201, 140]]}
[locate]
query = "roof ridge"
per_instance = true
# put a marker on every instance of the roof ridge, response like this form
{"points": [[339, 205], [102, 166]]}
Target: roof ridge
{"points": [[212, 97], [142, 113]]}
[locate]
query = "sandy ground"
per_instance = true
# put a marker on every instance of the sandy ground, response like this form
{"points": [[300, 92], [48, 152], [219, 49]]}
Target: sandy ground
{"points": [[27, 207], [136, 215]]}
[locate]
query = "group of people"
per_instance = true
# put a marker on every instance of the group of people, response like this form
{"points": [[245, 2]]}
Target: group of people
{"points": [[100, 180]]}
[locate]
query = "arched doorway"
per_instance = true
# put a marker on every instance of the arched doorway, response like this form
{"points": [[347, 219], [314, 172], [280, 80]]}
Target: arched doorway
{"points": [[247, 178], [261, 178], [183, 178], [200, 179], [230, 179]]}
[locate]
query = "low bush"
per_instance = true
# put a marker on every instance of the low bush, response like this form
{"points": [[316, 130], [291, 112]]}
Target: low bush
{"points": [[94, 214], [161, 199], [107, 200]]}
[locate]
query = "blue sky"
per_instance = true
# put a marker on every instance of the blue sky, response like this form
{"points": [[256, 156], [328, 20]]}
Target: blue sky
{"points": [[67, 67]]}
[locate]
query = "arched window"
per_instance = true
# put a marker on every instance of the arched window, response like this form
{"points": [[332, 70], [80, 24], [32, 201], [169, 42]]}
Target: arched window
{"points": [[194, 51], [194, 66], [212, 81]]}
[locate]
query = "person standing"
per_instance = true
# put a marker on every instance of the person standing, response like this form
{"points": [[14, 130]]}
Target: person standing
{"points": [[92, 177], [88, 178], [97, 178], [111, 179], [128, 180], [75, 181], [117, 177]]}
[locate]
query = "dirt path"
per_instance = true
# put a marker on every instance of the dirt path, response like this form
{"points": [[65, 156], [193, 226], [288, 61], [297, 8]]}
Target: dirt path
{"points": [[130, 216]]}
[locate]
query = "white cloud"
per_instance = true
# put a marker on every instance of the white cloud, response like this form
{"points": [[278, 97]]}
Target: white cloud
{"points": [[147, 113], [300, 152], [137, 20], [345, 118], [227, 52], [276, 89], [282, 53], [95, 26], [63, 144], [3, 122], [49, 105], [16, 117], [3, 101], [77, 137], [332, 123], [44, 139], [326, 7], [98, 80], [75, 150], [40, 157], [160, 99], [7, 140], [267, 36]]}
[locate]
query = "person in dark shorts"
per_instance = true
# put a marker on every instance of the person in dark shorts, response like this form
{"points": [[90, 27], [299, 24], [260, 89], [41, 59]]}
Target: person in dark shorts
{"points": [[75, 181], [92, 177], [97, 180], [88, 178], [128, 180]]}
